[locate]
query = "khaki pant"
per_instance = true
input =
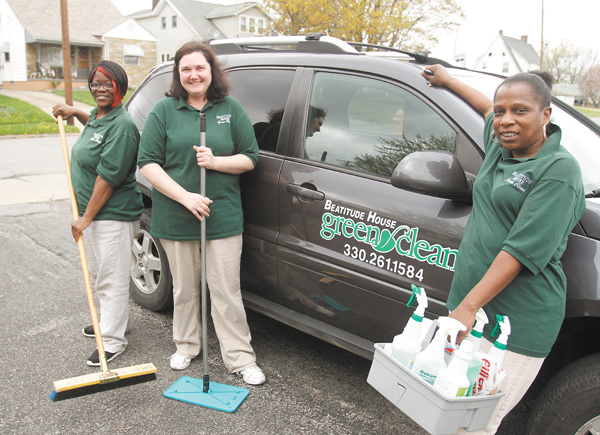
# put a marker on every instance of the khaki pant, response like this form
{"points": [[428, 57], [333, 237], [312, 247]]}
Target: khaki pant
{"points": [[521, 371], [227, 309]]}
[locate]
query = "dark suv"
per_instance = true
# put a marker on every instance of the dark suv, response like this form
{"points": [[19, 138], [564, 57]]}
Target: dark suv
{"points": [[363, 186]]}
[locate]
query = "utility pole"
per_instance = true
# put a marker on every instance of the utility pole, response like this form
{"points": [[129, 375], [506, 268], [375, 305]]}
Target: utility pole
{"points": [[542, 44], [66, 49]]}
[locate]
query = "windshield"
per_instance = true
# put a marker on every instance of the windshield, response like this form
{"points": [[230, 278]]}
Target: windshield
{"points": [[579, 139]]}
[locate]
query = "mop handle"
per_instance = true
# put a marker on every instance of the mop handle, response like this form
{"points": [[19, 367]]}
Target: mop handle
{"points": [[206, 382], [84, 265]]}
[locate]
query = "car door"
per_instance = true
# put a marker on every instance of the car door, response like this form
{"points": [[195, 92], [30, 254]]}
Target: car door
{"points": [[350, 244]]}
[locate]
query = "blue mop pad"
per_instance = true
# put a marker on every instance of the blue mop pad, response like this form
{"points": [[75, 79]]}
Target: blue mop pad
{"points": [[220, 396]]}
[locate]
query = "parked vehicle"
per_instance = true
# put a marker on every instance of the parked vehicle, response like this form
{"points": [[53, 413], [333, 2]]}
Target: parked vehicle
{"points": [[363, 186]]}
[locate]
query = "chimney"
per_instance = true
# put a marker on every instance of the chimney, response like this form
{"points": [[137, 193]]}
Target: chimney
{"points": [[154, 3], [524, 38], [501, 32]]}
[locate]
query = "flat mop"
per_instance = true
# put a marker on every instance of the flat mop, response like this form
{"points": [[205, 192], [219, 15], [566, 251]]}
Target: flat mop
{"points": [[202, 392], [106, 379]]}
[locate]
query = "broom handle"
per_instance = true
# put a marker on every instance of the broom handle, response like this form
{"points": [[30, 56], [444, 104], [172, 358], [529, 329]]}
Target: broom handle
{"points": [[206, 382], [84, 265]]}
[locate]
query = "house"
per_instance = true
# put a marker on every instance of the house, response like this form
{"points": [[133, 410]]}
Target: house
{"points": [[31, 55], [174, 22], [508, 56]]}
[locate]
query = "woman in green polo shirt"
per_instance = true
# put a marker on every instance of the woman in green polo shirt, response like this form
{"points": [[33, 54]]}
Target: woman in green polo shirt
{"points": [[170, 158], [103, 164], [527, 197]]}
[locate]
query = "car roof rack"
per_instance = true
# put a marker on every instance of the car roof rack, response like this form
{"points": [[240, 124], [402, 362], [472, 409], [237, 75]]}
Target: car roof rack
{"points": [[311, 43]]}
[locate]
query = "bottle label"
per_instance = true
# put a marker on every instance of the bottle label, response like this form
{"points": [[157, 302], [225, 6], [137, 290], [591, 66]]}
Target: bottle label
{"points": [[428, 377]]}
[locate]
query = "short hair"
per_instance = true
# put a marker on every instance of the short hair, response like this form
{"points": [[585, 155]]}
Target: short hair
{"points": [[535, 82], [218, 88], [117, 76]]}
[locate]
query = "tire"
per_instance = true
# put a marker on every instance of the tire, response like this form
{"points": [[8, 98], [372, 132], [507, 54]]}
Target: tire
{"points": [[151, 285], [570, 402]]}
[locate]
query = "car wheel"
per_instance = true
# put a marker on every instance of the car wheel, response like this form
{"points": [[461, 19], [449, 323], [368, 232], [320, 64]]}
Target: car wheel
{"points": [[151, 282], [570, 402]]}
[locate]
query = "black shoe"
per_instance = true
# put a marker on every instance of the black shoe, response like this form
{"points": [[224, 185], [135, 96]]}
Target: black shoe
{"points": [[94, 359], [88, 331]]}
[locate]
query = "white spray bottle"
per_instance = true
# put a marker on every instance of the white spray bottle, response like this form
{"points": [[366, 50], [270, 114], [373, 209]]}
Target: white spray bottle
{"points": [[406, 345], [453, 381], [491, 373], [481, 319], [430, 361], [475, 364]]}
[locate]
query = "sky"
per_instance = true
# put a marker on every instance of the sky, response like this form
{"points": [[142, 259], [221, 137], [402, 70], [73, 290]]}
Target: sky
{"points": [[572, 20]]}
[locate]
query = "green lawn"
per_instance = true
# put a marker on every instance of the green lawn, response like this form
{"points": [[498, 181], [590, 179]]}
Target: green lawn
{"points": [[20, 118], [589, 111], [86, 96]]}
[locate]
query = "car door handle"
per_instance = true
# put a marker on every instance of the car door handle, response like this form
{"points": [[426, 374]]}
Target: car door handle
{"points": [[305, 192]]}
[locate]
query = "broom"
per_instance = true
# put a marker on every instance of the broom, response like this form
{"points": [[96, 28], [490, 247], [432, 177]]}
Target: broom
{"points": [[106, 379]]}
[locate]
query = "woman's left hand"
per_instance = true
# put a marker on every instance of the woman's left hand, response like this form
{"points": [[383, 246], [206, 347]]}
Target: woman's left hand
{"points": [[205, 157], [78, 226]]}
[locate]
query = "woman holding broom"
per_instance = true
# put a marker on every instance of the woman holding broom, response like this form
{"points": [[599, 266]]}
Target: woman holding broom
{"points": [[103, 164], [169, 159]]}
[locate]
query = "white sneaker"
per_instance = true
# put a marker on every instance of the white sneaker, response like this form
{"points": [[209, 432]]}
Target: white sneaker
{"points": [[179, 362], [252, 375]]}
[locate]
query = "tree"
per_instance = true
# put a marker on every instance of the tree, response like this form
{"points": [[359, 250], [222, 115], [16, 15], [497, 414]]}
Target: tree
{"points": [[568, 62], [590, 85], [412, 24]]}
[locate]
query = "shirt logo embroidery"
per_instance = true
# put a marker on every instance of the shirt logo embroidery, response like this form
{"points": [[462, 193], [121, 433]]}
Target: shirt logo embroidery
{"points": [[518, 180], [223, 119], [97, 138]]}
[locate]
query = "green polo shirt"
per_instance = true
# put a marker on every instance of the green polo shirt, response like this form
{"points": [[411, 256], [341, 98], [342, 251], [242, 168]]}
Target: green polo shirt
{"points": [[108, 147], [171, 131], [526, 207]]}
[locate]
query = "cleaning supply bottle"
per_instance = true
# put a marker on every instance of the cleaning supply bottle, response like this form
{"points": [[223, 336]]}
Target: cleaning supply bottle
{"points": [[406, 345], [481, 319], [453, 381], [430, 361], [491, 372]]}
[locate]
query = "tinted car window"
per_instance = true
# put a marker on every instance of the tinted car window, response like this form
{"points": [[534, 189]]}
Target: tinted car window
{"points": [[148, 95], [263, 94], [369, 124]]}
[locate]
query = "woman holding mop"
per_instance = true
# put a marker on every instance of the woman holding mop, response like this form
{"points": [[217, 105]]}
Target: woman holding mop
{"points": [[103, 163], [527, 197], [170, 158]]}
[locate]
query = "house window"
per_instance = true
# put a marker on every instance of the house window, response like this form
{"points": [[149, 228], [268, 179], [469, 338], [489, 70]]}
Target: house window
{"points": [[163, 22], [174, 21], [252, 24], [7, 57], [132, 54], [505, 67]]}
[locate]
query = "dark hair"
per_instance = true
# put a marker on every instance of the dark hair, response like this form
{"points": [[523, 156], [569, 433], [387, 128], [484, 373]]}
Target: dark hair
{"points": [[546, 76], [535, 82], [316, 112], [218, 88], [117, 76]]}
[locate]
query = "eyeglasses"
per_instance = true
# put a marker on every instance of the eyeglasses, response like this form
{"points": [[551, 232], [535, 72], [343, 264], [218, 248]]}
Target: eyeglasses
{"points": [[106, 85]]}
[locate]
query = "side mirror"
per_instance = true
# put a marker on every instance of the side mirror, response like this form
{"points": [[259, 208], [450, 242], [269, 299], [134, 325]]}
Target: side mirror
{"points": [[434, 173]]}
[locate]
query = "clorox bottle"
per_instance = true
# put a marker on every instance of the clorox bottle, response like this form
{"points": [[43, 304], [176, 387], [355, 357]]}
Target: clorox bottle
{"points": [[430, 361], [406, 345]]}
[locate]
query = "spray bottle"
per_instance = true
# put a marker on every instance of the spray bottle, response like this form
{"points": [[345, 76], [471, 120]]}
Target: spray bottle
{"points": [[491, 373], [406, 345], [453, 381], [481, 319], [430, 361]]}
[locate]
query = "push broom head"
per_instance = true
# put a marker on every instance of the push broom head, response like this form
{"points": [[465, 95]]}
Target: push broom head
{"points": [[102, 381]]}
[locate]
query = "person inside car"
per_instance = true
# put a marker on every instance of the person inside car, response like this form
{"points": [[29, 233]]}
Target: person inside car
{"points": [[169, 158], [527, 197], [103, 163]]}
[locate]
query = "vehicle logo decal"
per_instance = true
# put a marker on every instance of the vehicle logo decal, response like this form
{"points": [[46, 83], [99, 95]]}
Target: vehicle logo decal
{"points": [[383, 235]]}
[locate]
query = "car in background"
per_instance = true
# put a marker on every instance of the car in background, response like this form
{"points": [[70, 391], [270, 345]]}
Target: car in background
{"points": [[362, 188]]}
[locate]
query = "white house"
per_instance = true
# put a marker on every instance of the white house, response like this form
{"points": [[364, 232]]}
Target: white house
{"points": [[174, 22], [508, 56], [31, 56]]}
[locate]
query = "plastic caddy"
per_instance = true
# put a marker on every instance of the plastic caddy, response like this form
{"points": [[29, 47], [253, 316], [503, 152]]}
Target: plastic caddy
{"points": [[417, 399]]}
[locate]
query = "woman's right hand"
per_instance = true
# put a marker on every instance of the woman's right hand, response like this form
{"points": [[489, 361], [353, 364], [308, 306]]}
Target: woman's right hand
{"points": [[64, 110], [197, 204], [440, 76]]}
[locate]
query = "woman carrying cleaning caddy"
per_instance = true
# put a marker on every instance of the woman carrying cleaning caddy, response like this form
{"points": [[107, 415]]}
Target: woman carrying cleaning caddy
{"points": [[527, 197], [170, 159]]}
